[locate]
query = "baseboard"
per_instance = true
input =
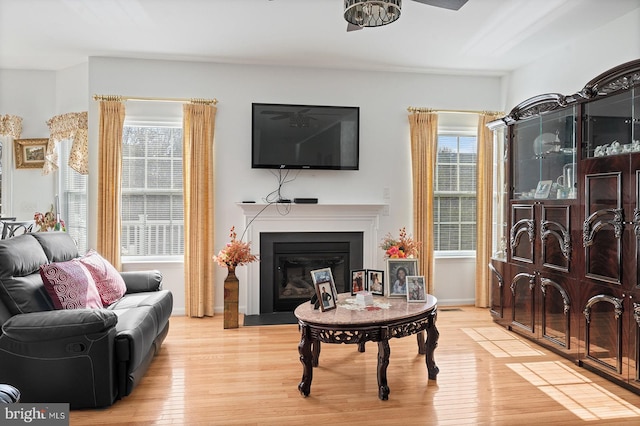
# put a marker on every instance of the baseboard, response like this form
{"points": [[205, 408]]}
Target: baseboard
{"points": [[456, 302]]}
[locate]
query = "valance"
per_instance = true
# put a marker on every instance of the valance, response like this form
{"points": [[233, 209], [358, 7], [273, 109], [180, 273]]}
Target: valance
{"points": [[74, 126], [10, 125]]}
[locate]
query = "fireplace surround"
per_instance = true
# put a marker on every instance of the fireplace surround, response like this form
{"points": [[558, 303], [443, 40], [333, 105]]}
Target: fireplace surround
{"points": [[303, 218]]}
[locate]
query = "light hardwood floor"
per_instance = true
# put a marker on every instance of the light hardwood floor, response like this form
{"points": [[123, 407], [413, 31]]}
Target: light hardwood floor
{"points": [[205, 375]]}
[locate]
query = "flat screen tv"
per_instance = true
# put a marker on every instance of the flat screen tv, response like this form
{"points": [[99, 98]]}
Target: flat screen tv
{"points": [[305, 137]]}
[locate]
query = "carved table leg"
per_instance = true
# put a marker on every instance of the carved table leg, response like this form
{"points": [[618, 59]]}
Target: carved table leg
{"points": [[422, 349], [306, 358], [361, 347], [315, 350], [384, 351], [432, 342]]}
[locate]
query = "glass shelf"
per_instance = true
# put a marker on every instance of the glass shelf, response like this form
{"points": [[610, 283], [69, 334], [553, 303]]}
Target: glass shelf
{"points": [[544, 157]]}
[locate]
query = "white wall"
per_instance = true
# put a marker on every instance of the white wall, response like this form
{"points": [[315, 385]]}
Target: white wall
{"points": [[32, 96], [384, 151], [72, 89], [567, 70]]}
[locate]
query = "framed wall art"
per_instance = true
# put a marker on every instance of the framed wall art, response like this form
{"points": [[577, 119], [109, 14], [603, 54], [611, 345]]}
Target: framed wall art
{"points": [[29, 153]]}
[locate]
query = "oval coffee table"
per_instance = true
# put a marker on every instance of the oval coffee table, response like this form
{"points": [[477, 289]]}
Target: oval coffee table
{"points": [[343, 325]]}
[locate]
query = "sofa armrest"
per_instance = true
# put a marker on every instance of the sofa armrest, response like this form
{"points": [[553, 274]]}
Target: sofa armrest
{"points": [[59, 324], [141, 281]]}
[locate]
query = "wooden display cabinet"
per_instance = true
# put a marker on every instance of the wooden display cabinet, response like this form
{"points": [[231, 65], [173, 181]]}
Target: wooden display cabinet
{"points": [[570, 279]]}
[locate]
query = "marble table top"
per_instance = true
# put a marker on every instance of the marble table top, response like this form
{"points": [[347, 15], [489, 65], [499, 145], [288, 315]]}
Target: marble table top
{"points": [[397, 309]]}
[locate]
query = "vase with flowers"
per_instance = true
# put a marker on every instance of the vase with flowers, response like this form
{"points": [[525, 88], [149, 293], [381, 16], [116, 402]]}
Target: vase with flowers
{"points": [[49, 221], [403, 247], [235, 253]]}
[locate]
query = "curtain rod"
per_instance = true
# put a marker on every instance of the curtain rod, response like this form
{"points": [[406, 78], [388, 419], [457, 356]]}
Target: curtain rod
{"points": [[458, 111], [213, 101]]}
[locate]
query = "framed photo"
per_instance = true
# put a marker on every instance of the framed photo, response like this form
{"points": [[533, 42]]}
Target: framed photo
{"points": [[543, 189], [416, 289], [325, 288], [326, 296], [29, 153], [358, 281], [398, 270], [375, 282]]}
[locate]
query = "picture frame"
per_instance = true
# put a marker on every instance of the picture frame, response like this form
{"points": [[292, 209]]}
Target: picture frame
{"points": [[29, 153], [326, 296], [543, 189], [358, 281], [375, 282], [324, 275], [397, 272], [416, 288]]}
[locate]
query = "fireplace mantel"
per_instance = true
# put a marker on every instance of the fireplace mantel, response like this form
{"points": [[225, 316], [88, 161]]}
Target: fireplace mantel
{"points": [[260, 218]]}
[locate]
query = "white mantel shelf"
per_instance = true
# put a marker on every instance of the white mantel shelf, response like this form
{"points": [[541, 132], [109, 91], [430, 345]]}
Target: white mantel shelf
{"points": [[262, 217], [356, 208]]}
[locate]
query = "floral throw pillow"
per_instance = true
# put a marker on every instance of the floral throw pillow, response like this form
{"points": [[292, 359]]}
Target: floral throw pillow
{"points": [[109, 282], [70, 285]]}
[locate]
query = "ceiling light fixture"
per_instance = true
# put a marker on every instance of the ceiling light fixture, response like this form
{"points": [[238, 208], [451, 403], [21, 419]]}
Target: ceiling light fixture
{"points": [[371, 13]]}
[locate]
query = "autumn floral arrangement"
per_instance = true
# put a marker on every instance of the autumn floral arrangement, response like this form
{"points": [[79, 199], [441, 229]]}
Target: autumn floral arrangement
{"points": [[235, 252], [48, 221], [400, 248]]}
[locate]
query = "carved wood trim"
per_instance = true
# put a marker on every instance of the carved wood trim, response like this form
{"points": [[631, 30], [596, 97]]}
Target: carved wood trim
{"points": [[562, 235], [532, 284], [594, 223], [500, 285], [544, 282], [621, 77], [618, 309]]}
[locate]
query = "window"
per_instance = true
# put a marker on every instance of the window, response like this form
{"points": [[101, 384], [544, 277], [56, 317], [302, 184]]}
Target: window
{"points": [[455, 193], [73, 201], [152, 207]]}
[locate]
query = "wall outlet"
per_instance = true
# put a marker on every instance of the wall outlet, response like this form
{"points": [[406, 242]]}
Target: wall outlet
{"points": [[385, 211]]}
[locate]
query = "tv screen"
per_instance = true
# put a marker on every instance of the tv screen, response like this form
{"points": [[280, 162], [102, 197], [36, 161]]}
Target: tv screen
{"points": [[305, 137]]}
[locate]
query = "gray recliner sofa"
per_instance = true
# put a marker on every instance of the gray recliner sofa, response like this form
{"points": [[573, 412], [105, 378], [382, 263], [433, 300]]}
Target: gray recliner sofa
{"points": [[85, 357]]}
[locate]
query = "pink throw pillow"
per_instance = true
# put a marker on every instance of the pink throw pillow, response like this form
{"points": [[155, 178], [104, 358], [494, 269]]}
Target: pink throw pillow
{"points": [[109, 282], [70, 285]]}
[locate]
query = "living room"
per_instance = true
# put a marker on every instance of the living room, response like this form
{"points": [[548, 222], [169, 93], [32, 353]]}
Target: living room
{"points": [[383, 95]]}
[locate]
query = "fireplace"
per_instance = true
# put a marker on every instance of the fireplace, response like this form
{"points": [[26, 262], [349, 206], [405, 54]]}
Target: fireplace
{"points": [[286, 259], [261, 220]]}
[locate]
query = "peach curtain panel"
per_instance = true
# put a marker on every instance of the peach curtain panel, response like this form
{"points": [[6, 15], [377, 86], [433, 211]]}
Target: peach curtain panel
{"points": [[484, 206], [110, 180], [424, 146], [198, 179]]}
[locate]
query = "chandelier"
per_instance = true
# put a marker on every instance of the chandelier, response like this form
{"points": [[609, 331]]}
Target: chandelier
{"points": [[371, 13]]}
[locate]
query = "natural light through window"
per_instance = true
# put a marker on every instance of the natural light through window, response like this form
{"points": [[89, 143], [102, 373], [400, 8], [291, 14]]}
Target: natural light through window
{"points": [[575, 392], [500, 343], [455, 193], [152, 202]]}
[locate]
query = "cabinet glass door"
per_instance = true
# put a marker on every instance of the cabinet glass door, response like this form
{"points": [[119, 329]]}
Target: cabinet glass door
{"points": [[612, 126], [544, 157], [500, 194]]}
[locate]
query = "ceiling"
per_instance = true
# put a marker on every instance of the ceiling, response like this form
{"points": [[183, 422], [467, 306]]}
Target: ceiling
{"points": [[489, 37]]}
